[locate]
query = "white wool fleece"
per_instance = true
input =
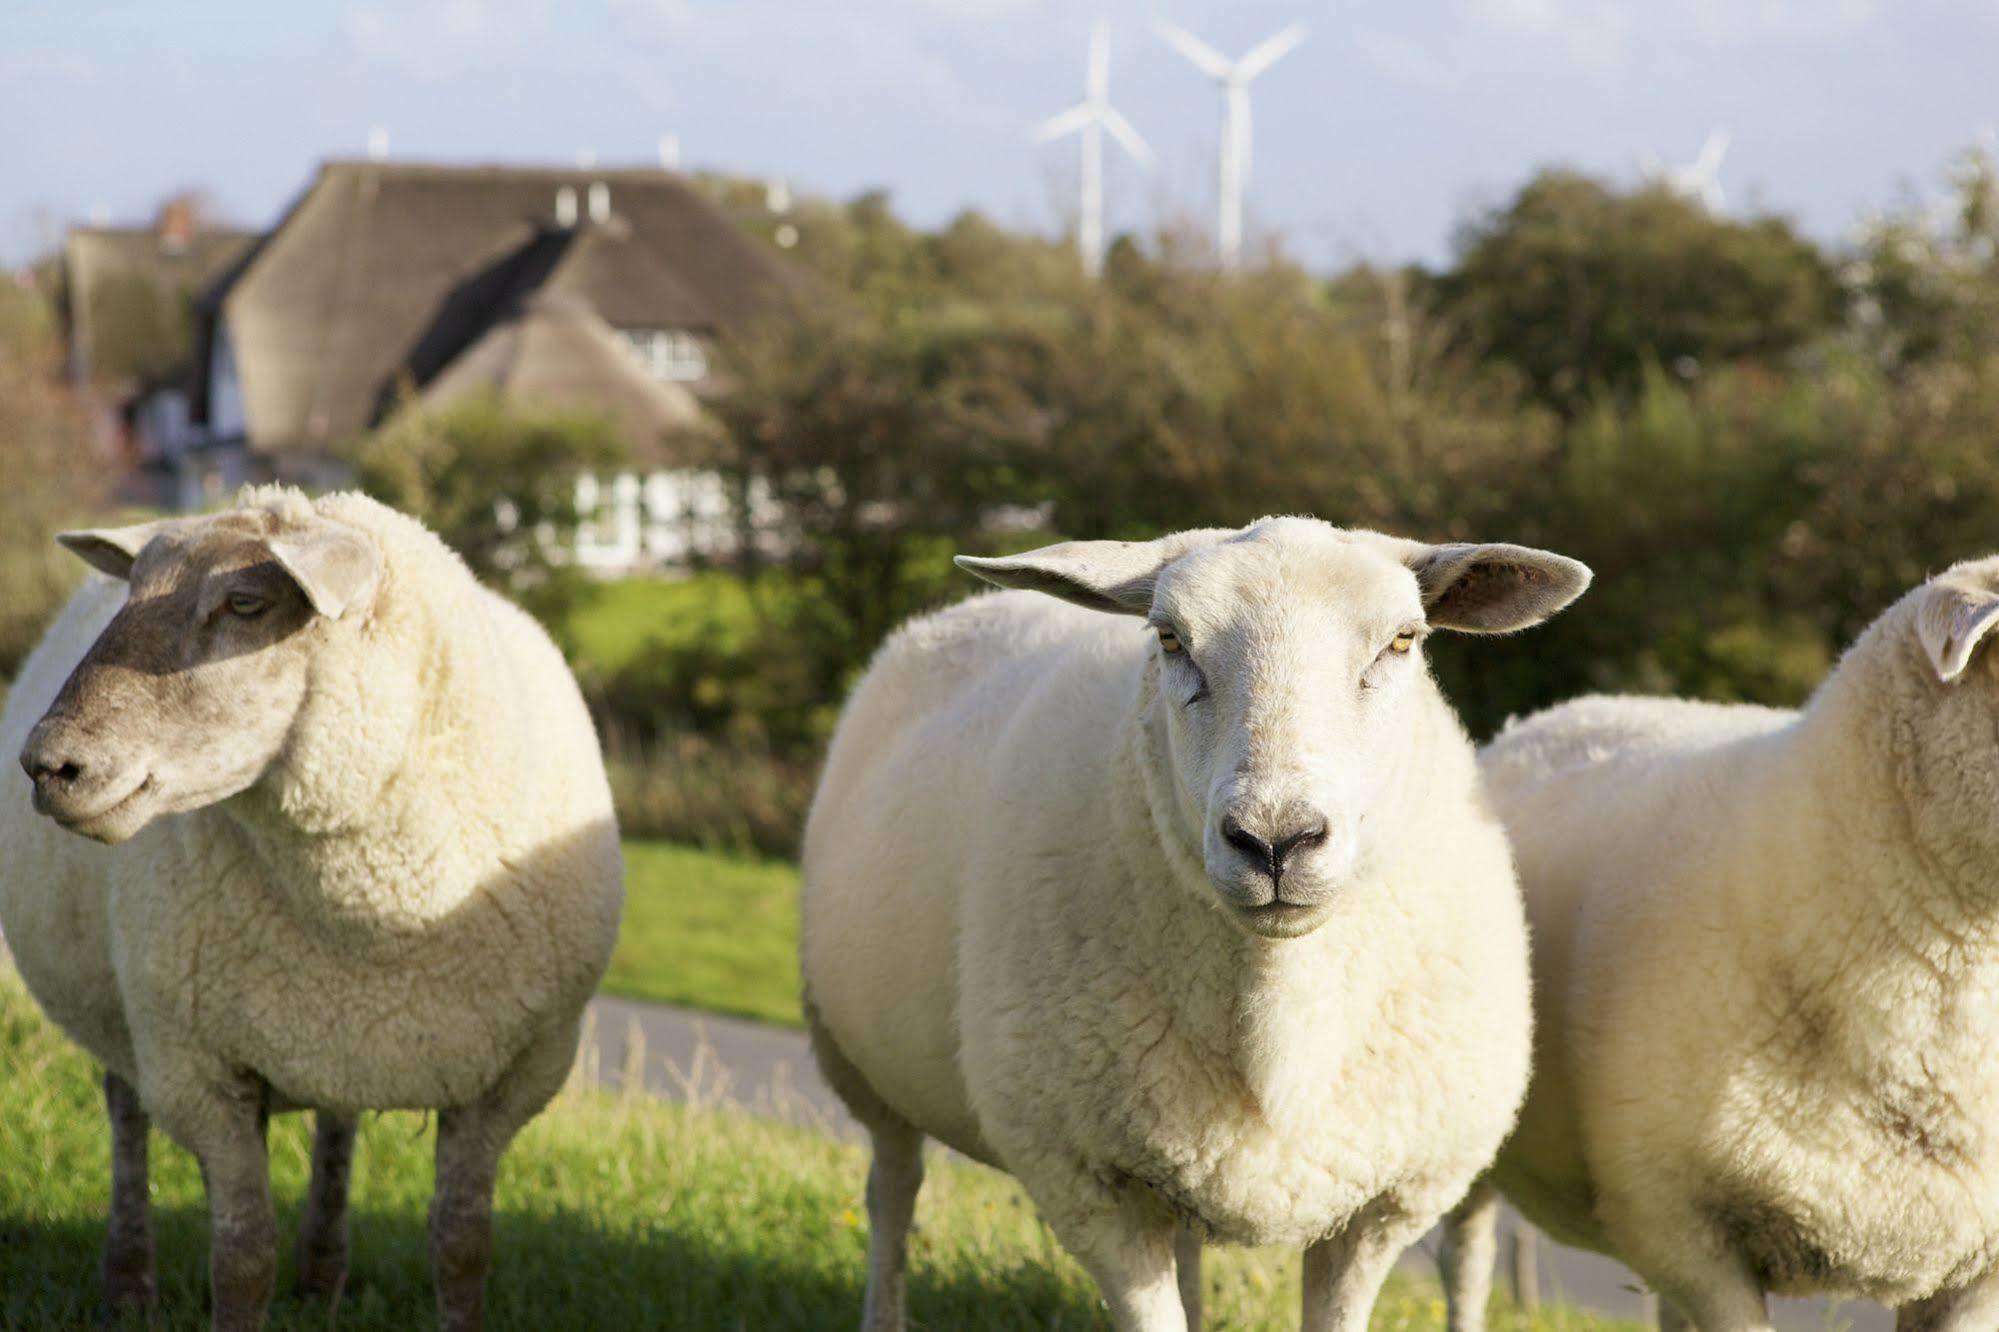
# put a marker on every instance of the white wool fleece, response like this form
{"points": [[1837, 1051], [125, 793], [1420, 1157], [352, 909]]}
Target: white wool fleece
{"points": [[990, 939], [1766, 950], [424, 883]]}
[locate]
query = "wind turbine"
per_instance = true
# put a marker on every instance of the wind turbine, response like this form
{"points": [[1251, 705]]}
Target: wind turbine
{"points": [[1090, 118], [1234, 77], [1698, 180]]}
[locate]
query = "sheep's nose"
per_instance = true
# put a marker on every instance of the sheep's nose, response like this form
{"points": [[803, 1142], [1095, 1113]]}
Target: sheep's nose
{"points": [[1271, 852], [48, 762]]}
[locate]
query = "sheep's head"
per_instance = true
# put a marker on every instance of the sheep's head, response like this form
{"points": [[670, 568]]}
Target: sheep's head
{"points": [[1284, 669], [195, 685]]}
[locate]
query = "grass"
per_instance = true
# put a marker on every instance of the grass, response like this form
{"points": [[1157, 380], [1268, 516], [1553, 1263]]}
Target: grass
{"points": [[709, 930], [613, 622], [612, 1212]]}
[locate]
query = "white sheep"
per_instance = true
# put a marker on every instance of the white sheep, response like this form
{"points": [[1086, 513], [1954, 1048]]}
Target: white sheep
{"points": [[1766, 953], [358, 853], [1193, 925]]}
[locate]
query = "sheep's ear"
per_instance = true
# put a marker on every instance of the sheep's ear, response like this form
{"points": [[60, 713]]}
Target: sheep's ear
{"points": [[1950, 621], [110, 550], [1494, 588], [1115, 576], [335, 566]]}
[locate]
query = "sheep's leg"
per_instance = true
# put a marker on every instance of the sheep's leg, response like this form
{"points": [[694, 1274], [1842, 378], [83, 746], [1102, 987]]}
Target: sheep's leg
{"points": [[1968, 1310], [893, 1181], [1187, 1266], [469, 1145], [1343, 1274], [470, 1141], [322, 1232], [242, 1228], [1471, 1245], [1126, 1242], [1727, 1299], [129, 1282]]}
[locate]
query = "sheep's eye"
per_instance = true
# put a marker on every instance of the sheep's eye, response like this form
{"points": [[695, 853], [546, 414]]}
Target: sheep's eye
{"points": [[1169, 639], [1402, 643], [246, 604]]}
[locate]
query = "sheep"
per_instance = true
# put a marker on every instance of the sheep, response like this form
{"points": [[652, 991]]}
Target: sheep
{"points": [[1200, 930], [1766, 956], [357, 852]]}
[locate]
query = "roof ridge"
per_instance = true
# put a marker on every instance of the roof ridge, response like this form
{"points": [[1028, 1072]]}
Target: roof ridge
{"points": [[515, 170]]}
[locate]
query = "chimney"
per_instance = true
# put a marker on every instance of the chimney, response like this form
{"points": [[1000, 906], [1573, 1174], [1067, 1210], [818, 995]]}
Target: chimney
{"points": [[565, 206], [176, 223], [378, 143], [669, 152], [600, 202]]}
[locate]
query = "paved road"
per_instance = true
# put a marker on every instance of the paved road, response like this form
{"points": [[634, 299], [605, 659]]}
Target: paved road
{"points": [[769, 1071]]}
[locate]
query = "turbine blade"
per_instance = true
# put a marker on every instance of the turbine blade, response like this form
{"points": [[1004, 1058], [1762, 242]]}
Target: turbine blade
{"points": [[1127, 137], [1097, 79], [1204, 57], [1269, 51], [1712, 151], [1057, 127]]}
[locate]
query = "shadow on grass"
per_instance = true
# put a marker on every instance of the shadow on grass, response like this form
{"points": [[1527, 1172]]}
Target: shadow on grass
{"points": [[551, 1271]]}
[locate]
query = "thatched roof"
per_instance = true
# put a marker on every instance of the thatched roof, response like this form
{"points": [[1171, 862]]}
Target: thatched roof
{"points": [[554, 349], [173, 267], [381, 274]]}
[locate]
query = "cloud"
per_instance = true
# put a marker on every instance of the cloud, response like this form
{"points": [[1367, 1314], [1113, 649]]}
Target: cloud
{"points": [[1405, 60], [1601, 37], [436, 39], [1727, 22], [817, 50], [1595, 37]]}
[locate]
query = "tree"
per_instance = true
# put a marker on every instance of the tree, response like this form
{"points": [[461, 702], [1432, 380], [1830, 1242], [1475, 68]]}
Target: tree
{"points": [[1925, 279], [494, 478], [1581, 287]]}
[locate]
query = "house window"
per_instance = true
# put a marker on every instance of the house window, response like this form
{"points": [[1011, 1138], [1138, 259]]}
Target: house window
{"points": [[668, 353]]}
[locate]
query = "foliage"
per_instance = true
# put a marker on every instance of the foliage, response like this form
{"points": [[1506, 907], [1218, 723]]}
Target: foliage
{"points": [[45, 448], [720, 792], [1581, 286], [611, 1212], [1688, 402], [495, 478], [1925, 277], [709, 930]]}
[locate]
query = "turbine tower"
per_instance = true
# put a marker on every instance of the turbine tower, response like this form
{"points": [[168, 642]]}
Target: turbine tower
{"points": [[1700, 179], [1234, 77], [1090, 118]]}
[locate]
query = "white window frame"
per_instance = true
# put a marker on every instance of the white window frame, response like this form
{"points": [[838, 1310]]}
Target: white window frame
{"points": [[671, 354]]}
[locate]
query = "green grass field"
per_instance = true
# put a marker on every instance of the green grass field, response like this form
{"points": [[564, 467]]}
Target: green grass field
{"points": [[709, 930], [612, 1213], [614, 621]]}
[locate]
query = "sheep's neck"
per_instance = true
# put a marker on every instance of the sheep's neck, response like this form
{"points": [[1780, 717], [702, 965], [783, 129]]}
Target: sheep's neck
{"points": [[1909, 875], [409, 856], [1284, 1013]]}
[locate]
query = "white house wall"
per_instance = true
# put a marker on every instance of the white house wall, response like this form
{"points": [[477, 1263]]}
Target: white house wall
{"points": [[666, 520]]}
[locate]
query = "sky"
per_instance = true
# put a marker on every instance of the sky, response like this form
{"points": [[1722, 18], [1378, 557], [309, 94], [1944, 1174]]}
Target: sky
{"points": [[1391, 125]]}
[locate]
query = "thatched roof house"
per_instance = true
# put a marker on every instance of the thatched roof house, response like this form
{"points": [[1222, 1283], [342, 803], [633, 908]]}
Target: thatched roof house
{"points": [[386, 283]]}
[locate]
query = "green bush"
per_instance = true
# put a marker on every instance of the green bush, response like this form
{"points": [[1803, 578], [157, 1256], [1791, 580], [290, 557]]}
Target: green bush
{"points": [[497, 480], [722, 793]]}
